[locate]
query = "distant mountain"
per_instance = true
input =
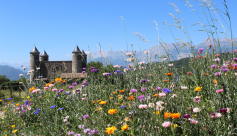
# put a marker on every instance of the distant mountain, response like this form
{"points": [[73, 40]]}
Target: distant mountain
{"points": [[11, 73], [118, 57]]}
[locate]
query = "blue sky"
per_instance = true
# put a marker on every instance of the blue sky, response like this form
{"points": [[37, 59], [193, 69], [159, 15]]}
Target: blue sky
{"points": [[59, 25]]}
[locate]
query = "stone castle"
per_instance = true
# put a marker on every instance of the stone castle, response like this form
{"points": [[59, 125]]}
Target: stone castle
{"points": [[41, 66]]}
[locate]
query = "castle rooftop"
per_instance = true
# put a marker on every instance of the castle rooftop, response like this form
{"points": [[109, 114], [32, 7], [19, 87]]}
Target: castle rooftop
{"points": [[34, 50], [76, 50], [44, 53], [83, 53]]}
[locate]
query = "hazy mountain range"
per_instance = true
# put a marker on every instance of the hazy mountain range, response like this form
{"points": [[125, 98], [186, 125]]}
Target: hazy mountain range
{"points": [[118, 57]]}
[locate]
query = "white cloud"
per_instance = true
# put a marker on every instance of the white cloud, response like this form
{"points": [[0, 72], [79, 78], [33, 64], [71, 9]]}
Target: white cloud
{"points": [[68, 55]]}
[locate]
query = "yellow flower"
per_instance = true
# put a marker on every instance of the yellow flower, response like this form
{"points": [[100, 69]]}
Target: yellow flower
{"points": [[30, 100], [0, 100], [112, 111], [110, 130], [28, 97], [114, 92], [58, 79], [4, 110], [98, 100], [17, 104], [14, 131], [175, 126], [111, 98], [13, 126], [102, 102], [125, 127], [197, 89], [23, 97], [99, 109], [157, 112]]}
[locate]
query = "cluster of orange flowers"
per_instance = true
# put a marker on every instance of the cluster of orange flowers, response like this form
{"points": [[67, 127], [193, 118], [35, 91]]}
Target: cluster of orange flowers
{"points": [[32, 88], [60, 80], [112, 111], [47, 85], [131, 97], [171, 115]]}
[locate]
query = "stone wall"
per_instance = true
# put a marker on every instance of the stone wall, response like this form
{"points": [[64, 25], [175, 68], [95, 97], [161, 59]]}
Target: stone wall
{"points": [[46, 68]]}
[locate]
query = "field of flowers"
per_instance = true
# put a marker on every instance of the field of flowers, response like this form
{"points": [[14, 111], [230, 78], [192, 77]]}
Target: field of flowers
{"points": [[145, 99]]}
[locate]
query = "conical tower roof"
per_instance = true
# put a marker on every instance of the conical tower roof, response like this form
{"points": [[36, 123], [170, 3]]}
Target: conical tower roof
{"points": [[35, 50], [83, 53], [44, 53], [76, 50]]}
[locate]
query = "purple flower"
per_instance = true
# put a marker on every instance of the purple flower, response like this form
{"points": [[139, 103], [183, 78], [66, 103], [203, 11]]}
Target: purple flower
{"points": [[92, 67], [70, 133], [82, 86], [166, 90], [61, 108], [52, 107], [223, 110], [74, 84], [81, 126], [201, 49], [86, 116], [84, 83], [143, 89], [224, 70], [109, 74], [94, 70], [141, 97], [186, 116], [70, 87], [235, 65], [24, 110], [217, 73], [84, 68], [122, 107], [235, 59], [66, 93], [93, 132], [133, 91], [26, 102], [117, 71], [61, 90], [83, 72], [213, 66], [223, 67], [144, 80], [158, 88], [86, 130], [42, 92]]}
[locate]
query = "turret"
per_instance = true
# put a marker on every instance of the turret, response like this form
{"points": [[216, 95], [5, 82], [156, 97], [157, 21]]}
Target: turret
{"points": [[84, 62], [76, 60], [34, 61], [44, 56]]}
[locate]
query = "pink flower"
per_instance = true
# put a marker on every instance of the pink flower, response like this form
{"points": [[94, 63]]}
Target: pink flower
{"points": [[162, 94], [34, 91], [142, 62], [105, 74], [146, 52], [196, 99], [142, 106], [51, 85], [143, 67], [83, 98], [20, 83], [65, 120], [219, 91], [215, 115], [55, 89], [115, 66], [129, 53], [196, 110], [193, 121], [29, 108], [166, 124], [183, 87], [170, 65], [46, 88]]}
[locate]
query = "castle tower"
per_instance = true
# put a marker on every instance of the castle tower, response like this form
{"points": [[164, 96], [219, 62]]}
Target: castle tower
{"points": [[34, 61], [76, 60], [44, 56], [84, 62]]}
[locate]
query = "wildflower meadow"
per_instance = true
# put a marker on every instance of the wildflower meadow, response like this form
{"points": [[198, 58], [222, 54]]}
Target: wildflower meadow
{"points": [[142, 98]]}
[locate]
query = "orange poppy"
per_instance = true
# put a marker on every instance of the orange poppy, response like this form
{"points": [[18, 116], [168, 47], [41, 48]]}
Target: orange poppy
{"points": [[175, 115], [166, 80], [121, 91], [215, 81], [53, 82], [131, 97], [114, 92], [167, 115], [93, 102], [118, 103], [156, 95], [169, 74]]}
